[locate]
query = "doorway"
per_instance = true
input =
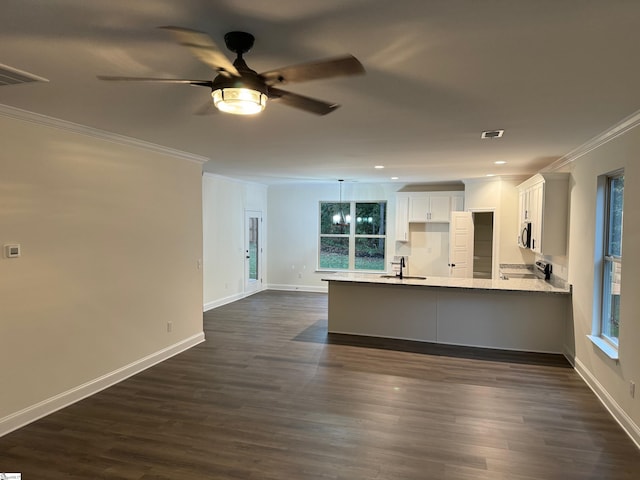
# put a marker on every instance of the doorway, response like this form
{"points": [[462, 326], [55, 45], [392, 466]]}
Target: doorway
{"points": [[483, 246], [253, 251]]}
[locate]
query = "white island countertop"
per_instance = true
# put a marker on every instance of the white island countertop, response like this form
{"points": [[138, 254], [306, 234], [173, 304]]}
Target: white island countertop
{"points": [[512, 284]]}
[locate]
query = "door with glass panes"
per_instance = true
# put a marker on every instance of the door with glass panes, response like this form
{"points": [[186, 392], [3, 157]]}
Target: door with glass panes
{"points": [[253, 251]]}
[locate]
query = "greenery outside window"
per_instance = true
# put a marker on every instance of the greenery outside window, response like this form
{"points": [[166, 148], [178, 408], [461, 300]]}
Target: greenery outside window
{"points": [[352, 236], [612, 260]]}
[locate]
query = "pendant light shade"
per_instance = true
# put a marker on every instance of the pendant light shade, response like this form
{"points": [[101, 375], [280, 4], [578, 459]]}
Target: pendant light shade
{"points": [[239, 101]]}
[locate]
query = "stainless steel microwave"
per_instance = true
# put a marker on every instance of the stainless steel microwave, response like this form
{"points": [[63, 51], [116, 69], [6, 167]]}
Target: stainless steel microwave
{"points": [[524, 238]]}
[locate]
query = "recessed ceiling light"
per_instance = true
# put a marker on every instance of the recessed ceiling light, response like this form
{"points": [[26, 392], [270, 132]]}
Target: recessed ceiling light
{"points": [[379, 166], [394, 178], [492, 134], [490, 175], [499, 162]]}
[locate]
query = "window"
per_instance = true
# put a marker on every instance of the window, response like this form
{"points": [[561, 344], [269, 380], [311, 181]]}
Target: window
{"points": [[352, 245], [611, 266]]}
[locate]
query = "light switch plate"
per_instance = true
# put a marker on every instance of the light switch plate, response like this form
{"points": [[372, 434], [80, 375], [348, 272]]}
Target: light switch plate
{"points": [[12, 250]]}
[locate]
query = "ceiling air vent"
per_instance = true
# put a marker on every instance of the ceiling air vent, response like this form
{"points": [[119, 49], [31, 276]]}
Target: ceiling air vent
{"points": [[492, 134], [13, 76]]}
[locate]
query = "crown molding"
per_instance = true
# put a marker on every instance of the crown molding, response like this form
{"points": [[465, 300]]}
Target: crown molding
{"points": [[36, 118], [618, 129], [233, 179], [496, 178]]}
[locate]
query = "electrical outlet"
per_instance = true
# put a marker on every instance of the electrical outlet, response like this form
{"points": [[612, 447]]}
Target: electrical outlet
{"points": [[169, 327], [299, 275], [632, 389]]}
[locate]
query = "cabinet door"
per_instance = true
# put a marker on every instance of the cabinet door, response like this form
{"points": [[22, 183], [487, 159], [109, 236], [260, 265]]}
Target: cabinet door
{"points": [[418, 207], [522, 207], [536, 199], [402, 217], [439, 208]]}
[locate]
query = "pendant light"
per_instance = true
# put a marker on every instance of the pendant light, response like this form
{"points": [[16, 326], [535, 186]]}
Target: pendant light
{"points": [[340, 219]]}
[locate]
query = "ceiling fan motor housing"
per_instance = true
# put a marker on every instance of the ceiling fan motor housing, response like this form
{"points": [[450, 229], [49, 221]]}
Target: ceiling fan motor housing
{"points": [[246, 80], [239, 42]]}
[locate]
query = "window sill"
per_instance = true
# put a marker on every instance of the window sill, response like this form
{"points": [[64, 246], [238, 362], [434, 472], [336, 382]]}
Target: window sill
{"points": [[606, 348]]}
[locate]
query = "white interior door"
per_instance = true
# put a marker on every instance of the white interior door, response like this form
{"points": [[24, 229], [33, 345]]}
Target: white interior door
{"points": [[461, 245], [253, 251]]}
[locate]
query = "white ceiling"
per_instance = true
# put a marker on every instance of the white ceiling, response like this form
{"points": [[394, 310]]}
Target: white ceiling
{"points": [[553, 74]]}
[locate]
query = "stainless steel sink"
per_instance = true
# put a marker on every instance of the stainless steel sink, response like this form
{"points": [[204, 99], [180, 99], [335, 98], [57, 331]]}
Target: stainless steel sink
{"points": [[404, 277]]}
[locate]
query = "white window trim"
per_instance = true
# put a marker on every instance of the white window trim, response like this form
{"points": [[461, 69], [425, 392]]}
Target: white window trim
{"points": [[352, 238], [602, 226], [605, 346]]}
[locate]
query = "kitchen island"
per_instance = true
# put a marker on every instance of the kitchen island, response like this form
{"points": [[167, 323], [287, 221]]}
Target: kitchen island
{"points": [[515, 314]]}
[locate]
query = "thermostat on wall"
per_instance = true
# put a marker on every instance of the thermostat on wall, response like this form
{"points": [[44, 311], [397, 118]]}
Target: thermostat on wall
{"points": [[13, 250]]}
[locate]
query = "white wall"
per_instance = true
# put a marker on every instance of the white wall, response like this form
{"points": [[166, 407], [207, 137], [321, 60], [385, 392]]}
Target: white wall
{"points": [[608, 377], [293, 228], [428, 249], [111, 236], [501, 197], [224, 203]]}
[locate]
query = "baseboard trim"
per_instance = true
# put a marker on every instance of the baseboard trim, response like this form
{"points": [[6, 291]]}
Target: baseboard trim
{"points": [[46, 407], [609, 403], [239, 296], [222, 301], [570, 355], [230, 299], [298, 288]]}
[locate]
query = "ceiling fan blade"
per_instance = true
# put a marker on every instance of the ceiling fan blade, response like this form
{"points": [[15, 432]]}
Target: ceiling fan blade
{"points": [[311, 105], [197, 83], [204, 48], [335, 67]]}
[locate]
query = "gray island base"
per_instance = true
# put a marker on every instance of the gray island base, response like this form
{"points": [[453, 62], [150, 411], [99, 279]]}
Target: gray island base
{"points": [[493, 315]]}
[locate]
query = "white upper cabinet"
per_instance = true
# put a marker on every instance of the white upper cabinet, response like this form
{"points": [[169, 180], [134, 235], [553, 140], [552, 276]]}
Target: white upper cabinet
{"points": [[524, 205], [544, 200], [402, 217], [425, 207], [436, 207]]}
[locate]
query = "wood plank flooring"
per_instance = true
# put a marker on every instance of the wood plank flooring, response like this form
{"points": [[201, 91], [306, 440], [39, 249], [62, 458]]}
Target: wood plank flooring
{"points": [[269, 396]]}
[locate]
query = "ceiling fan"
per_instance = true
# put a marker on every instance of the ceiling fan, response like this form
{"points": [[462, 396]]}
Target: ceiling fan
{"points": [[239, 90]]}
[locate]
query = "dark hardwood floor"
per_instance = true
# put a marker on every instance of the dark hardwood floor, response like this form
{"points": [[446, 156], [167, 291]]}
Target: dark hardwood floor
{"points": [[269, 396]]}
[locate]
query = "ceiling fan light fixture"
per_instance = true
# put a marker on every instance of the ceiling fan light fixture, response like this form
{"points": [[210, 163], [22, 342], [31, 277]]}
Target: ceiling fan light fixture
{"points": [[239, 101]]}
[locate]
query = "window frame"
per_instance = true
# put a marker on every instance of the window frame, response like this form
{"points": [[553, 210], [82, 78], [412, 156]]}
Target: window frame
{"points": [[352, 236], [607, 262]]}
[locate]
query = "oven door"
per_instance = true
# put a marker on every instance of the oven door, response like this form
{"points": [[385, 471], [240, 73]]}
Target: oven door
{"points": [[524, 239]]}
